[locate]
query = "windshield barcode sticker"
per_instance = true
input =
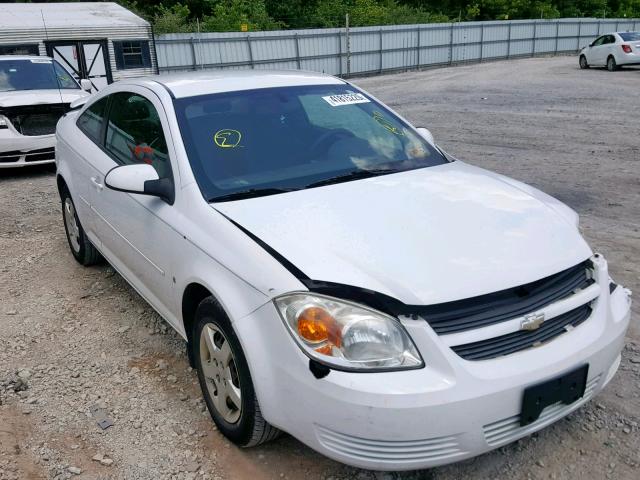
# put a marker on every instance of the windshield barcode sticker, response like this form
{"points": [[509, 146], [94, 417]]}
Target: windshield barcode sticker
{"points": [[345, 99]]}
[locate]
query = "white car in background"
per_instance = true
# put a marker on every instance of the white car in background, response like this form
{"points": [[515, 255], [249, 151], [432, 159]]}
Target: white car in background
{"points": [[612, 50], [334, 273], [34, 93]]}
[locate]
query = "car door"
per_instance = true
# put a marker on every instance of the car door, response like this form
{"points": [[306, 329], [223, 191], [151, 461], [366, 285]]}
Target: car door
{"points": [[135, 230], [595, 53], [90, 123], [609, 48]]}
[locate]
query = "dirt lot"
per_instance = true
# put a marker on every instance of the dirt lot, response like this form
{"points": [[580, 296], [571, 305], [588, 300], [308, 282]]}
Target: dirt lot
{"points": [[74, 338]]}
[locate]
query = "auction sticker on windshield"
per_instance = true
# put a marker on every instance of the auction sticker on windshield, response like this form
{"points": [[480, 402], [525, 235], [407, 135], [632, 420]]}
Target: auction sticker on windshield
{"points": [[345, 99]]}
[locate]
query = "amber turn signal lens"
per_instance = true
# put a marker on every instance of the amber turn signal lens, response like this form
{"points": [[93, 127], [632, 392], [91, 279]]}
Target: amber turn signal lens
{"points": [[314, 324], [325, 350]]}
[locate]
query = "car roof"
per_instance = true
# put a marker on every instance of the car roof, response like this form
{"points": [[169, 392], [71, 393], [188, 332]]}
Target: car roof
{"points": [[218, 81], [24, 57]]}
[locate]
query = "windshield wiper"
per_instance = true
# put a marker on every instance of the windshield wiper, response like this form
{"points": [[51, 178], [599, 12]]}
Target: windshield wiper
{"points": [[250, 193], [354, 175]]}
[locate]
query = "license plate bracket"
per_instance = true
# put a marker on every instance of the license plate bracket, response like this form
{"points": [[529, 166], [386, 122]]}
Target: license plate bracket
{"points": [[566, 388]]}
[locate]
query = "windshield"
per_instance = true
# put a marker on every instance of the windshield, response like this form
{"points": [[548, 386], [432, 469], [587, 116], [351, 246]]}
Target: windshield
{"points": [[34, 74], [630, 36], [279, 139]]}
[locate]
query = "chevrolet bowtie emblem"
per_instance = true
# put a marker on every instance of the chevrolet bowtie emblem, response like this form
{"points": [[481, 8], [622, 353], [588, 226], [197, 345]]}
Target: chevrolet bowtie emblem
{"points": [[532, 321]]}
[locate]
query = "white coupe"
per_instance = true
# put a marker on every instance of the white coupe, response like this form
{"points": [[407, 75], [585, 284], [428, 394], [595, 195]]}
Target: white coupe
{"points": [[334, 273], [612, 50]]}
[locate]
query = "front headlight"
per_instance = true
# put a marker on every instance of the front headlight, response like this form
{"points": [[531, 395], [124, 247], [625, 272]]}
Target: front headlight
{"points": [[345, 335]]}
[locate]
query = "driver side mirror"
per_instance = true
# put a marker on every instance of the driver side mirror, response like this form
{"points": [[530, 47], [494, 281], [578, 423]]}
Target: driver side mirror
{"points": [[591, 44], [85, 84], [142, 179], [427, 135]]}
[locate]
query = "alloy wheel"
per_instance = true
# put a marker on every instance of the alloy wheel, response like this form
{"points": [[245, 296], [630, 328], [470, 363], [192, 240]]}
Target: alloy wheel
{"points": [[73, 231], [583, 62], [220, 372]]}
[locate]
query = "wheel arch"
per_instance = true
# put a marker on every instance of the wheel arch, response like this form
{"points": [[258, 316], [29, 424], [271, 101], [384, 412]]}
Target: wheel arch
{"points": [[193, 294], [61, 183]]}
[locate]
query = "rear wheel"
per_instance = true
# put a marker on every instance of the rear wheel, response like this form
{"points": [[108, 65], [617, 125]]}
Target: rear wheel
{"points": [[225, 379], [81, 248], [612, 66], [583, 62]]}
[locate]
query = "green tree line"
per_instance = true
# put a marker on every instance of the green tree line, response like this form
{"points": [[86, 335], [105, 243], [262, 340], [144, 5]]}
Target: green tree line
{"points": [[169, 16]]}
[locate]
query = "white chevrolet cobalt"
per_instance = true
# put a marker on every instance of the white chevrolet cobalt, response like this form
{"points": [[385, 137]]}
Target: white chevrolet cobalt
{"points": [[335, 274], [34, 93]]}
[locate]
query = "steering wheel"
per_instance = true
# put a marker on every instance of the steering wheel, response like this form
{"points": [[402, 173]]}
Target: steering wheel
{"points": [[335, 134]]}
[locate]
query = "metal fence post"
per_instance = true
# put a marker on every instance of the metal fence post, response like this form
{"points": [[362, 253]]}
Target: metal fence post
{"points": [[380, 49], [193, 54], [348, 44], [340, 53], [557, 35], [451, 45], [509, 41], [297, 51], [580, 34], [481, 41], [535, 34], [418, 48], [250, 51]]}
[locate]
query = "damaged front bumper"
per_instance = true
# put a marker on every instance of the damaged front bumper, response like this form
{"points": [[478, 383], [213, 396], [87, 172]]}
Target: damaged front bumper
{"points": [[17, 150]]}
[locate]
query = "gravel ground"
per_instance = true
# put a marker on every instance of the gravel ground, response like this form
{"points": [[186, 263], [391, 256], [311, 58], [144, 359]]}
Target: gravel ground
{"points": [[73, 340]]}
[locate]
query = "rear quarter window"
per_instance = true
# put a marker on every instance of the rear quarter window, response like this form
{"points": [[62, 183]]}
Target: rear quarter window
{"points": [[92, 120]]}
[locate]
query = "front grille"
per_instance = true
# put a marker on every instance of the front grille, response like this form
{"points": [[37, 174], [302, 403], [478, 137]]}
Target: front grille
{"points": [[523, 339], [32, 120], [9, 157], [40, 155], [476, 312], [41, 124], [37, 155], [391, 451]]}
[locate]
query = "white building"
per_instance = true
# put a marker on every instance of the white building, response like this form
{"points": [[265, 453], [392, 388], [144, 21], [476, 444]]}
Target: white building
{"points": [[103, 42]]}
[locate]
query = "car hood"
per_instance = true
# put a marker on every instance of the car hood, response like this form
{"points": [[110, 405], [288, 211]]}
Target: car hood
{"points": [[424, 236], [39, 97]]}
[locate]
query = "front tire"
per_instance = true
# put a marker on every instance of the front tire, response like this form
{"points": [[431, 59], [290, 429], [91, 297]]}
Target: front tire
{"points": [[81, 248], [225, 379], [583, 62], [612, 66]]}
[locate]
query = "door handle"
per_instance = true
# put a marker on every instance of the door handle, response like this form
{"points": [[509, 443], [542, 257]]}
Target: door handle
{"points": [[96, 183]]}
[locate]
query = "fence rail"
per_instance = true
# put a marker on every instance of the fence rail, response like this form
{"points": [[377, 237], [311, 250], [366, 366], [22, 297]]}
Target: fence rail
{"points": [[367, 50]]}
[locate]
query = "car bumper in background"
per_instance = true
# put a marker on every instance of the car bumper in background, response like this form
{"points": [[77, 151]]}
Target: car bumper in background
{"points": [[449, 410], [19, 150]]}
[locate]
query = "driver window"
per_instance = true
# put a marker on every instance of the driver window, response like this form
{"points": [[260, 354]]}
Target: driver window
{"points": [[134, 133], [598, 42]]}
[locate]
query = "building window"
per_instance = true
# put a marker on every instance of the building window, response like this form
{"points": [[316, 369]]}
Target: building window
{"points": [[132, 54], [24, 49]]}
